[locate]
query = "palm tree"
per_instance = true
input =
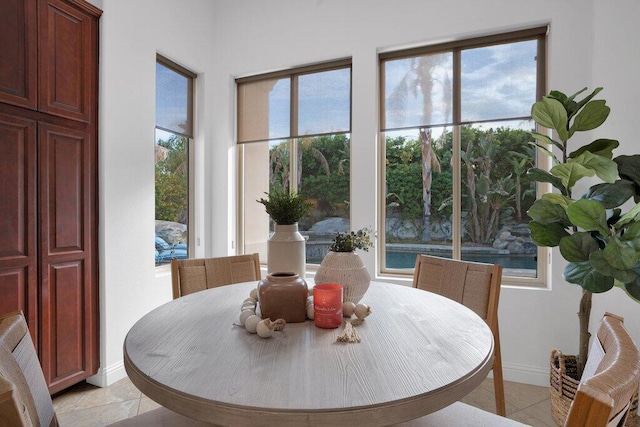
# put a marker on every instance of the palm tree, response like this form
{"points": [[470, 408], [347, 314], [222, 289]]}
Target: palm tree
{"points": [[430, 164], [420, 77], [279, 161]]}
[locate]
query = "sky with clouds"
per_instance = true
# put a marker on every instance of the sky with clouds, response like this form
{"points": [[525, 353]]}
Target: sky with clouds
{"points": [[498, 82]]}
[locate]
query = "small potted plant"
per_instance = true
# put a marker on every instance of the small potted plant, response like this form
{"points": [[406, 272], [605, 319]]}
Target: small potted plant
{"points": [[342, 265], [286, 246], [349, 242], [286, 208]]}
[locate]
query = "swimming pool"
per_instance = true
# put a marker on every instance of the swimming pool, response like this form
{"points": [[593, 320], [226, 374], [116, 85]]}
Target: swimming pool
{"points": [[407, 259]]}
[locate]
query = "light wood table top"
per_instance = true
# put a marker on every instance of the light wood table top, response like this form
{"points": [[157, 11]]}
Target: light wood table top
{"points": [[419, 353]]}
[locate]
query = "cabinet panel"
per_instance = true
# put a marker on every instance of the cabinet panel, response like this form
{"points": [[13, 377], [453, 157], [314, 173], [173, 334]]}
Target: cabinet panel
{"points": [[66, 344], [48, 180], [18, 245], [18, 53], [67, 38], [67, 238]]}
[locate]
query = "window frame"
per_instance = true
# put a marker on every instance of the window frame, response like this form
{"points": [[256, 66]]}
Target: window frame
{"points": [[456, 47], [293, 137], [190, 147]]}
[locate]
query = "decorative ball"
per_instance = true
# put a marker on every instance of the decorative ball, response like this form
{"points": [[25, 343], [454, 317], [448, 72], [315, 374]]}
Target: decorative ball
{"points": [[252, 323]]}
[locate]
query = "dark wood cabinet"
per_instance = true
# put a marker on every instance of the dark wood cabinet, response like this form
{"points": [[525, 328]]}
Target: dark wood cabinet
{"points": [[67, 60], [19, 242], [48, 180], [18, 53]]}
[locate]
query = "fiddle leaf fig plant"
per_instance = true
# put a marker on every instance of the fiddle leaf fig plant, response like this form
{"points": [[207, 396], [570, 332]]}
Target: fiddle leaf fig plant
{"points": [[599, 241]]}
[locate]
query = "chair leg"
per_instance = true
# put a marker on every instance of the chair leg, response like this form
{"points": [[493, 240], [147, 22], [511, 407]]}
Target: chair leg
{"points": [[498, 382]]}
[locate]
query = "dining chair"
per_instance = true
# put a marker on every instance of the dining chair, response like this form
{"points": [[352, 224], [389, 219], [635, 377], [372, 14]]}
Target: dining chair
{"points": [[24, 396], [474, 285], [194, 275], [610, 379]]}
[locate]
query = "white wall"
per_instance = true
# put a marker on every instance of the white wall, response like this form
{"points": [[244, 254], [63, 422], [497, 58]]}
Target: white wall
{"points": [[590, 44], [131, 34]]}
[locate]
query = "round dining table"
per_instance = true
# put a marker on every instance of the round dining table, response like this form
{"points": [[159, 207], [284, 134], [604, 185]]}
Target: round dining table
{"points": [[419, 352]]}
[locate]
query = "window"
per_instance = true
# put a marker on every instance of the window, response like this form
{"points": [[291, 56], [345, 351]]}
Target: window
{"points": [[455, 122], [173, 135], [294, 134]]}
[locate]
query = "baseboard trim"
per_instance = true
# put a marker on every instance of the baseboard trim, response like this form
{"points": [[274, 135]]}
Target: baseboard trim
{"points": [[526, 374], [109, 375]]}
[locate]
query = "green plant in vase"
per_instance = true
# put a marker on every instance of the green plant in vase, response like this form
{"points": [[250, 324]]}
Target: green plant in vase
{"points": [[600, 242], [342, 265], [286, 247], [284, 207], [349, 242]]}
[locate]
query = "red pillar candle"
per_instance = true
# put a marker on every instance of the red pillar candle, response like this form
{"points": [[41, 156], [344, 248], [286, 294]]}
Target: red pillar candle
{"points": [[327, 305]]}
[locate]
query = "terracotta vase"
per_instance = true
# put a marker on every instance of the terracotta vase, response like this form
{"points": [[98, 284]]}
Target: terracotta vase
{"points": [[283, 295], [346, 269], [286, 250]]}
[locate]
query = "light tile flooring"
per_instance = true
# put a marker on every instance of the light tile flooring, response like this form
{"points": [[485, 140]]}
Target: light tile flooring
{"points": [[87, 405]]}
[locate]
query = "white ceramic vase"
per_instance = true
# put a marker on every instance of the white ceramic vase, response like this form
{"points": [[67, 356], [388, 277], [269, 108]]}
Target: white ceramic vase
{"points": [[346, 269], [286, 250]]}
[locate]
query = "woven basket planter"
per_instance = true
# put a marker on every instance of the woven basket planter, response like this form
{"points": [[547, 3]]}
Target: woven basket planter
{"points": [[564, 383], [346, 269]]}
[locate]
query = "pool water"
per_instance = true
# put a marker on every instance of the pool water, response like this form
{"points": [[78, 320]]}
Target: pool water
{"points": [[399, 259]]}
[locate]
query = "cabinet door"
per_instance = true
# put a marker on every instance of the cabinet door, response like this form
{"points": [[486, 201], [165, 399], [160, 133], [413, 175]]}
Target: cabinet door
{"points": [[67, 255], [18, 53], [67, 52], [18, 244]]}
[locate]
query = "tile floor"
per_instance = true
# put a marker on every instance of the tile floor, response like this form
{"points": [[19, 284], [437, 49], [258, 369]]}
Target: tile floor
{"points": [[85, 405]]}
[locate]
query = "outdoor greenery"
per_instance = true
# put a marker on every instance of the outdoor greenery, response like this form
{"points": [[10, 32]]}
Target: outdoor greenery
{"points": [[495, 186], [349, 242], [324, 173], [171, 181], [492, 187], [599, 241]]}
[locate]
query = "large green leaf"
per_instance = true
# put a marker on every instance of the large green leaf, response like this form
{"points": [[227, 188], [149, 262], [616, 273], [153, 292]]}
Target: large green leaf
{"points": [[601, 147], [573, 107], [546, 151], [570, 173], [599, 262], [547, 234], [556, 94], [585, 275], [629, 168], [558, 199], [606, 169], [590, 117], [588, 215], [540, 175], [546, 140], [620, 254], [632, 215], [550, 113], [611, 195], [631, 234], [633, 289], [578, 246], [544, 212]]}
